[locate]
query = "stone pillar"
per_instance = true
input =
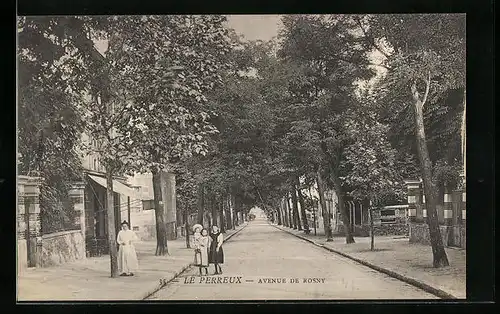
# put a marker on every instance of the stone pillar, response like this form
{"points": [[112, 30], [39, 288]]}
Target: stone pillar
{"points": [[29, 188], [448, 208], [413, 187], [22, 250], [77, 195]]}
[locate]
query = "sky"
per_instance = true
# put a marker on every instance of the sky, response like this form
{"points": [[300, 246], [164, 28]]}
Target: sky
{"points": [[263, 27], [254, 27]]}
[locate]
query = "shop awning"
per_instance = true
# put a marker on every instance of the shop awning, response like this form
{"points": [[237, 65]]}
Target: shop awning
{"points": [[118, 187]]}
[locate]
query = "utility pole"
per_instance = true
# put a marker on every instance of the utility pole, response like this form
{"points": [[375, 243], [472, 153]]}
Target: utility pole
{"points": [[128, 211]]}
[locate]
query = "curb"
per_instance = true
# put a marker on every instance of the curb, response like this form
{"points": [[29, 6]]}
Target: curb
{"points": [[166, 280], [421, 285]]}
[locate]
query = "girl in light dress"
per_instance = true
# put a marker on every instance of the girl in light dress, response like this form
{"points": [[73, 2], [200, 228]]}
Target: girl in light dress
{"points": [[127, 256], [196, 246], [202, 249]]}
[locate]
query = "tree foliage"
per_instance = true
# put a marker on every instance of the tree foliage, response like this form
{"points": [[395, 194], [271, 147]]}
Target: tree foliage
{"points": [[435, 46], [238, 119]]}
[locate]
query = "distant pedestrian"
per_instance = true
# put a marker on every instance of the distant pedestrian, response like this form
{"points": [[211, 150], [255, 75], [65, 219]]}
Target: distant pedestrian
{"points": [[202, 249], [216, 254], [127, 256]]}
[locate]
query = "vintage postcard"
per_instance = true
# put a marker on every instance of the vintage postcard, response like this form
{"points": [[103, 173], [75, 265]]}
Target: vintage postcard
{"points": [[241, 157]]}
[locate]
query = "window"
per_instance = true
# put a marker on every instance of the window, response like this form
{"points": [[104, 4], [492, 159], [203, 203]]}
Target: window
{"points": [[95, 164]]}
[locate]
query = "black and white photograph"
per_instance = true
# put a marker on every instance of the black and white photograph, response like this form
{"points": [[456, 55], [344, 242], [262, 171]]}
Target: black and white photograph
{"points": [[241, 157]]}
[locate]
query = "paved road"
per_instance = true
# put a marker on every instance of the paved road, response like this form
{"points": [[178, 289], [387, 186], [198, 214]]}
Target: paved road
{"points": [[261, 253]]}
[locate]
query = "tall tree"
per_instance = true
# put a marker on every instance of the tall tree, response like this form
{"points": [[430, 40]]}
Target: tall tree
{"points": [[372, 170], [295, 206], [49, 123], [91, 76], [179, 122], [302, 205], [324, 89], [324, 210], [427, 63]]}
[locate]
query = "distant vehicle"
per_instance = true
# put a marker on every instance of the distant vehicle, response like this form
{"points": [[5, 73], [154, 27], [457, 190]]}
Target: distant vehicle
{"points": [[251, 217]]}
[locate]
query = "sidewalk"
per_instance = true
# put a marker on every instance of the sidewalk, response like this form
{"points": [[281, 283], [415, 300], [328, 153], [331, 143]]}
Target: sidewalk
{"points": [[89, 279], [397, 257]]}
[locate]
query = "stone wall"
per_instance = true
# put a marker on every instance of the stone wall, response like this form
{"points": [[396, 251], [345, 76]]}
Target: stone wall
{"points": [[451, 235], [419, 233], [398, 229], [391, 229], [62, 247]]}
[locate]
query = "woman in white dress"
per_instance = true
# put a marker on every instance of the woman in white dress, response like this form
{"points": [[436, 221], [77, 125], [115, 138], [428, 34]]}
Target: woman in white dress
{"points": [[127, 257]]}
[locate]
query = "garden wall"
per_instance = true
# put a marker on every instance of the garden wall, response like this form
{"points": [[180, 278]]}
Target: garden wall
{"points": [[62, 247]]}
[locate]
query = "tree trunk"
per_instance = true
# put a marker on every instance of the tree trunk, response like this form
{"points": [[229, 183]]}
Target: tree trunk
{"points": [[229, 216], [439, 254], [346, 221], [313, 209], [161, 228], [110, 211], [287, 208], [232, 201], [280, 219], [213, 207], [287, 212], [302, 207], [372, 233], [326, 215], [291, 214], [201, 212], [295, 203], [236, 211], [186, 227], [284, 208], [221, 215]]}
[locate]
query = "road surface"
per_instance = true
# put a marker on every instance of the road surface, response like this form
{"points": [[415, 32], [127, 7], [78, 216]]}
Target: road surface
{"points": [[261, 262]]}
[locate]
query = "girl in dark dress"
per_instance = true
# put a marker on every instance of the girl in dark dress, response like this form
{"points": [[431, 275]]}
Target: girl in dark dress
{"points": [[216, 254]]}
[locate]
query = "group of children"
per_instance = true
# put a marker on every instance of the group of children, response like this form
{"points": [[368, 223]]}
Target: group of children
{"points": [[208, 249]]}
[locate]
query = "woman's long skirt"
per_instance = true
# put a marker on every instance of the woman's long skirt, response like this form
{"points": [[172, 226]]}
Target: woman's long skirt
{"points": [[127, 259], [215, 257]]}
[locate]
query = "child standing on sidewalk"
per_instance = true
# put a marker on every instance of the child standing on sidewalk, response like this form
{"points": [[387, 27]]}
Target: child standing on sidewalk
{"points": [[203, 242], [196, 245]]}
